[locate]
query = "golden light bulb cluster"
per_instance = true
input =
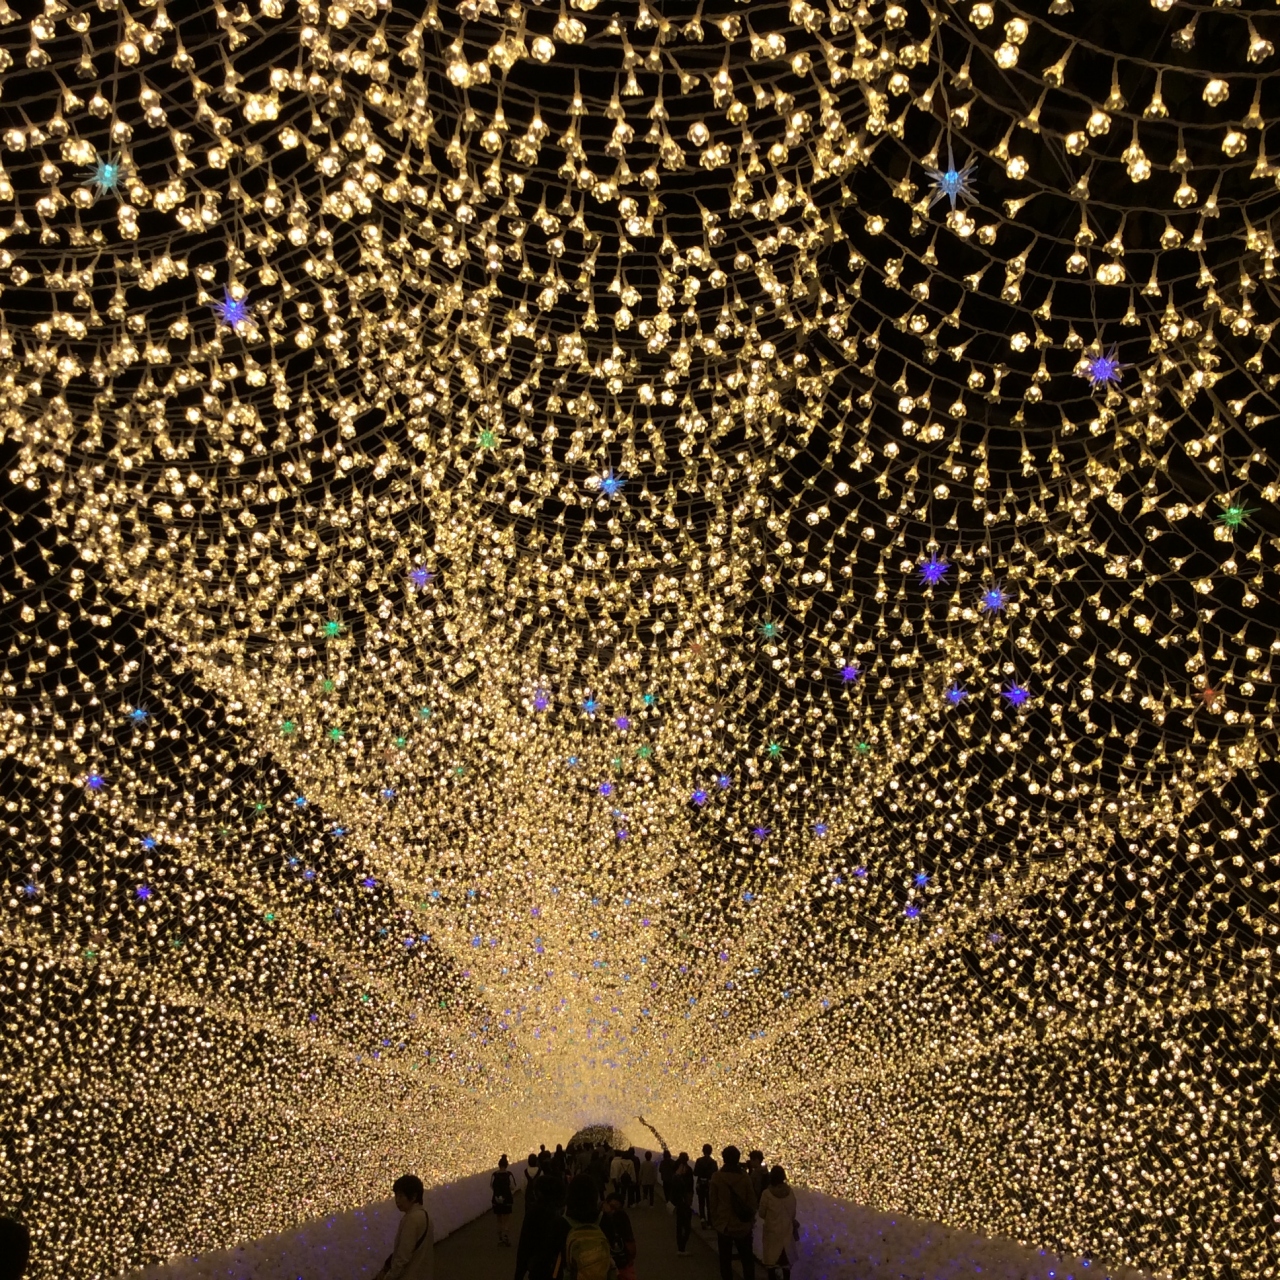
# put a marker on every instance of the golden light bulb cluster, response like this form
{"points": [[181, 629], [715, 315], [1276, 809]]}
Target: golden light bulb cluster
{"points": [[712, 564]]}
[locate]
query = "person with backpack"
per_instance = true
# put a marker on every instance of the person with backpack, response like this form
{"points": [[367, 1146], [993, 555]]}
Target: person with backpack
{"points": [[680, 1197], [778, 1212], [615, 1222], [703, 1171], [413, 1255], [733, 1215], [585, 1254], [621, 1175], [503, 1187], [666, 1167]]}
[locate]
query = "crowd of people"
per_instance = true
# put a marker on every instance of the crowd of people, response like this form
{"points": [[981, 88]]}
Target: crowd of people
{"points": [[577, 1224]]}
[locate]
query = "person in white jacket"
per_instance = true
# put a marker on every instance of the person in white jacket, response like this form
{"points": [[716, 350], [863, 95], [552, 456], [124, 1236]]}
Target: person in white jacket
{"points": [[778, 1211], [413, 1257]]}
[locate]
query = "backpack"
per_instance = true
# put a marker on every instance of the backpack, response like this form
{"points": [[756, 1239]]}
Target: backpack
{"points": [[587, 1255]]}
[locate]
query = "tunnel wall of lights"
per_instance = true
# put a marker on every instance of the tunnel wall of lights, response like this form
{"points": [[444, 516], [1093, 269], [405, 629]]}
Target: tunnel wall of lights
{"points": [[699, 560]]}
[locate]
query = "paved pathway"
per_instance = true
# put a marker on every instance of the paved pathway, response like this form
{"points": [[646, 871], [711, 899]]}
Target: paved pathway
{"points": [[473, 1253]]}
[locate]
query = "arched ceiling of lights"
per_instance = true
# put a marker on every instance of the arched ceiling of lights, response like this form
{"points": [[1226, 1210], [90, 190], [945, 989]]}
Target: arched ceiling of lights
{"points": [[703, 560]]}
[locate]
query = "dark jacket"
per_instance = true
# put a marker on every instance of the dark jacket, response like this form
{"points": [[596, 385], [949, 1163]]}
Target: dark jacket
{"points": [[541, 1239], [680, 1188], [733, 1202]]}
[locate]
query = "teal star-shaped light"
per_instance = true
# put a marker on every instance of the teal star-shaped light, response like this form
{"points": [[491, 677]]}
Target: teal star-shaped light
{"points": [[106, 175], [768, 630]]}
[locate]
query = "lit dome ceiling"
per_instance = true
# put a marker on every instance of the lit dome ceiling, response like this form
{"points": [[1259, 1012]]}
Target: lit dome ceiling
{"points": [[697, 560]]}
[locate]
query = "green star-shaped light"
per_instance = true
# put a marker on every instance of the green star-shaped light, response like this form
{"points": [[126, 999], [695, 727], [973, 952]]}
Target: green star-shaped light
{"points": [[768, 630], [336, 734], [424, 713], [270, 917], [259, 809], [1235, 515], [460, 770], [617, 763], [328, 686], [333, 628], [175, 942], [402, 742], [90, 954], [488, 440], [864, 748], [644, 752], [287, 727], [775, 750]]}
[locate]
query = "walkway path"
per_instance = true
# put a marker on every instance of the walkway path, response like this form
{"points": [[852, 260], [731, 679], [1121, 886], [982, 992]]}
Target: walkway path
{"points": [[473, 1253]]}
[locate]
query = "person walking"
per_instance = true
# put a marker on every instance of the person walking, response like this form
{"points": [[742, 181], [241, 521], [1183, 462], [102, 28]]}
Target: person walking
{"points": [[532, 1171], [648, 1179], [778, 1212], [503, 1187], [413, 1254], [615, 1222], [756, 1171], [680, 1197], [703, 1171], [666, 1167], [585, 1252], [733, 1214], [621, 1172], [543, 1230]]}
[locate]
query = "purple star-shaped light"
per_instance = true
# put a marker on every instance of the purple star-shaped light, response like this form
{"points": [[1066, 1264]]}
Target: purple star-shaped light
{"points": [[622, 724], [956, 695], [1017, 694], [994, 599], [760, 834], [540, 701], [912, 911], [369, 883], [850, 672], [606, 788], [420, 577], [724, 782], [231, 310], [143, 892], [933, 570], [1103, 370], [699, 797], [819, 828]]}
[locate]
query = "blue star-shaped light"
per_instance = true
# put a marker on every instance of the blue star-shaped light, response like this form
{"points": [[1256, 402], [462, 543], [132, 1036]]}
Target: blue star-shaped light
{"points": [[540, 701], [299, 802], [420, 577], [138, 715], [308, 874], [819, 828], [912, 911], [388, 793], [589, 706], [95, 781], [143, 892], [605, 788], [747, 896], [993, 599], [232, 311], [933, 570], [860, 872], [724, 782], [760, 834], [148, 842], [956, 695], [572, 762], [1017, 694], [338, 831], [622, 835], [611, 485], [953, 183], [850, 672], [106, 175], [31, 889], [368, 883], [1103, 370], [699, 797], [921, 879]]}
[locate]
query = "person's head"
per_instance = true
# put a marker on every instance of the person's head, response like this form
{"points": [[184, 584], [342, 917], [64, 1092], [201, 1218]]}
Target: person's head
{"points": [[777, 1176], [407, 1190], [682, 1161], [15, 1249], [612, 1202], [731, 1157], [648, 1155], [756, 1157], [582, 1203], [559, 1149], [533, 1157], [706, 1148], [502, 1161]]}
